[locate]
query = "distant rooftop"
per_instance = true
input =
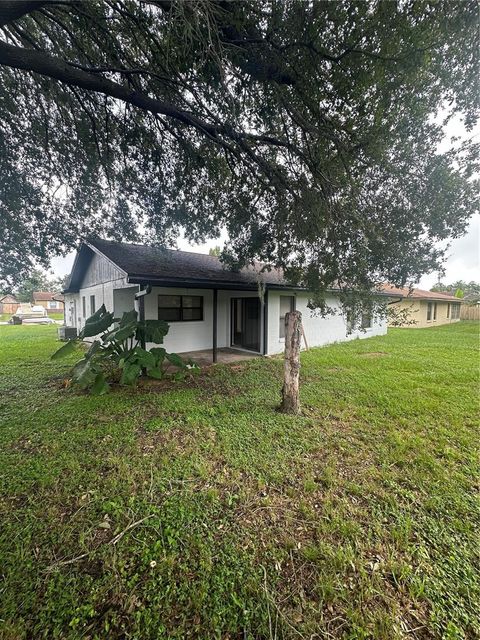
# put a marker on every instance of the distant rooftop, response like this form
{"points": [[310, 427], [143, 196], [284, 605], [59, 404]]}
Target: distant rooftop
{"points": [[418, 294]]}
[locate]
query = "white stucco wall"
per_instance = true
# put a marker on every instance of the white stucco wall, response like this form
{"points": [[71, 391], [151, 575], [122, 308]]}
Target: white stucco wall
{"points": [[118, 296], [196, 335], [104, 294], [318, 331]]}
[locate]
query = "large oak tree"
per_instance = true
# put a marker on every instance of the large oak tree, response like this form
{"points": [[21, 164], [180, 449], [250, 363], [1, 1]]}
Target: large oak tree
{"points": [[308, 130]]}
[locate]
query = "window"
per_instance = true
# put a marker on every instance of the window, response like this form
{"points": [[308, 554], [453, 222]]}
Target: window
{"points": [[434, 310], [92, 305], [455, 310], [367, 320], [84, 307], [287, 304], [429, 311], [448, 310], [52, 304], [180, 308]]}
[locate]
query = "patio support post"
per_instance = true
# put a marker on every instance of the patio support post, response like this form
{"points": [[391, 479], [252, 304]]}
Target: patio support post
{"points": [[214, 342], [265, 322]]}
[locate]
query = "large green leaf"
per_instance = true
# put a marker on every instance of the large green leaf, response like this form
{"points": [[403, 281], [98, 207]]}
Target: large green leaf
{"points": [[94, 348], [159, 354], [176, 360], [101, 311], [144, 358], [156, 330], [99, 322], [155, 372], [128, 317], [84, 373], [123, 333], [130, 373], [100, 385], [65, 350]]}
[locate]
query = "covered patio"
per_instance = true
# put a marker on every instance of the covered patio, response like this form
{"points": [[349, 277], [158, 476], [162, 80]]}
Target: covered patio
{"points": [[225, 355]]}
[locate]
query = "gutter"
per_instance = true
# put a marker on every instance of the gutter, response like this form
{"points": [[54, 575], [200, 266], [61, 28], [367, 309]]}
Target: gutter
{"points": [[395, 301]]}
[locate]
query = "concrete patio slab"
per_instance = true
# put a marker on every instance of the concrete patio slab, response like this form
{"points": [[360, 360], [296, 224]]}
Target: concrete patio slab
{"points": [[204, 358]]}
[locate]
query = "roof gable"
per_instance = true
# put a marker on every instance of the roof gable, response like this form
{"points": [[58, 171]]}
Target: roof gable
{"points": [[156, 264], [91, 267]]}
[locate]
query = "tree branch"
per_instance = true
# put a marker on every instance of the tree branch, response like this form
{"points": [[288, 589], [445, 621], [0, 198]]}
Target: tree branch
{"points": [[37, 62], [14, 9], [57, 69]]}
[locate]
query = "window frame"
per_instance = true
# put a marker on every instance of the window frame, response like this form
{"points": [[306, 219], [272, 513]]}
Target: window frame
{"points": [[281, 319], [369, 315], [92, 305], [181, 307]]}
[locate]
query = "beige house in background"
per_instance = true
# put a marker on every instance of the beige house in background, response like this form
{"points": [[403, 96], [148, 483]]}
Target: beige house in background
{"points": [[52, 302], [426, 308]]}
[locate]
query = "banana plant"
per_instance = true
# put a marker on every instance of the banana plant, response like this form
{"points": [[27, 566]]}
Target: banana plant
{"points": [[119, 347]]}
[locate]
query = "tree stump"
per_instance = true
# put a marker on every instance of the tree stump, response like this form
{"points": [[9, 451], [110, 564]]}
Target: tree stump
{"points": [[290, 392]]}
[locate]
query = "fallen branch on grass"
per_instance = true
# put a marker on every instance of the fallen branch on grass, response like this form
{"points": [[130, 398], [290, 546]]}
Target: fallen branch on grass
{"points": [[113, 541]]}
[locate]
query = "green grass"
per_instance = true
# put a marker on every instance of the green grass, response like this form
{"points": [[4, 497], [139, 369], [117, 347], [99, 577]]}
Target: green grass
{"points": [[56, 316], [357, 520]]}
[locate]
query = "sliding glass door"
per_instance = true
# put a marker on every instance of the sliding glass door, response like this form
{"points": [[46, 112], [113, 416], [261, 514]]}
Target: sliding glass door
{"points": [[246, 323]]}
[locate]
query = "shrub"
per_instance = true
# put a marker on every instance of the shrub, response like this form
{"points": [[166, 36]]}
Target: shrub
{"points": [[119, 348]]}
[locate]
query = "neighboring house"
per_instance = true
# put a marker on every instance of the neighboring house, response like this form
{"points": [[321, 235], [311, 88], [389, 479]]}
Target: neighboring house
{"points": [[206, 305], [426, 308], [52, 302], [8, 304]]}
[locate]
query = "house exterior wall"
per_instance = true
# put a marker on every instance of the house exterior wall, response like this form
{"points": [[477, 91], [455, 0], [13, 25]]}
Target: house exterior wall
{"points": [[198, 335], [110, 287], [47, 304], [318, 331], [417, 310], [9, 305]]}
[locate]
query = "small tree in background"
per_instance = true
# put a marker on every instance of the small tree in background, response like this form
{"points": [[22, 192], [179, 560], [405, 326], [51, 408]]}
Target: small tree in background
{"points": [[36, 281]]}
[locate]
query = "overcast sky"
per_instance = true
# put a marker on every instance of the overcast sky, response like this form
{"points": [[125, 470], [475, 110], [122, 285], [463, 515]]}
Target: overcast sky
{"points": [[462, 258]]}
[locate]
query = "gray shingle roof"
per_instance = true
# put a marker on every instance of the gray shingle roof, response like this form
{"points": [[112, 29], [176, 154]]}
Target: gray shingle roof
{"points": [[142, 262]]}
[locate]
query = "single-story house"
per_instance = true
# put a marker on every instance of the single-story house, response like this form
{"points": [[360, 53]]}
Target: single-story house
{"points": [[52, 302], [207, 306], [425, 308], [8, 304]]}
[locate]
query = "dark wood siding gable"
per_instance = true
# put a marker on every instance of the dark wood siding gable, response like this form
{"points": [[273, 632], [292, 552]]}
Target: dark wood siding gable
{"points": [[100, 270]]}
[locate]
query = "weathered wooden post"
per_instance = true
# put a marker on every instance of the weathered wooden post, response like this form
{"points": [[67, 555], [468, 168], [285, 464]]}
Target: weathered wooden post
{"points": [[290, 392]]}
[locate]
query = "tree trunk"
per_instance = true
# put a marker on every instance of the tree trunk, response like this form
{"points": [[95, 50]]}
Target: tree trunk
{"points": [[290, 392]]}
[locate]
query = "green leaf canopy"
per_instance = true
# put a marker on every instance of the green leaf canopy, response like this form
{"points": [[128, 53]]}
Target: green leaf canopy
{"points": [[309, 131]]}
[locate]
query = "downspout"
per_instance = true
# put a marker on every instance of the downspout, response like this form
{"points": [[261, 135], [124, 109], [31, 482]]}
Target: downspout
{"points": [[140, 297]]}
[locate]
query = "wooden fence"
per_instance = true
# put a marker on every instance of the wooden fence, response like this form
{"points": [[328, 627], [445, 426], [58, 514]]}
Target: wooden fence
{"points": [[470, 312]]}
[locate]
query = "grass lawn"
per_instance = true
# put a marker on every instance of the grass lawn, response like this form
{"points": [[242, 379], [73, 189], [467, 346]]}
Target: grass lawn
{"points": [[194, 510]]}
